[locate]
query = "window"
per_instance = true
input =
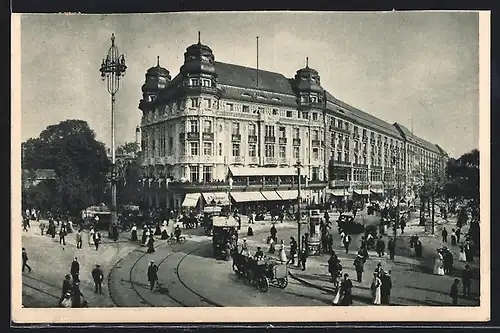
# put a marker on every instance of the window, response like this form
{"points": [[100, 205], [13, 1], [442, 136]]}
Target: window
{"points": [[183, 149], [315, 173], [230, 106], [246, 108], [356, 130], [305, 115], [195, 173], [314, 99], [346, 156], [207, 148], [207, 83], [220, 149], [195, 82], [315, 153], [315, 116], [340, 124], [236, 149], [235, 129], [252, 150], [208, 103], [289, 114], [194, 148], [275, 112], [296, 152], [207, 126], [282, 151], [282, 132], [296, 133], [252, 129], [194, 102], [260, 110], [304, 99], [315, 135], [269, 130], [170, 145], [269, 150], [207, 174], [364, 133], [193, 126]]}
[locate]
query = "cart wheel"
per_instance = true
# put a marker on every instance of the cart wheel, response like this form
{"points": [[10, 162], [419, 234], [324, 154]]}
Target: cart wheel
{"points": [[182, 240], [247, 275], [262, 283], [282, 283]]}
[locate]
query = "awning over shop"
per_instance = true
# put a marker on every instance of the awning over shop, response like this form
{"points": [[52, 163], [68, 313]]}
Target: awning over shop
{"points": [[359, 192], [191, 200], [220, 198], [247, 196], [262, 172], [338, 192], [271, 195], [377, 190], [289, 195]]}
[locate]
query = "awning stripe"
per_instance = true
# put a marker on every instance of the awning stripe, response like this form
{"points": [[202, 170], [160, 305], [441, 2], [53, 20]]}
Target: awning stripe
{"points": [[271, 195], [289, 194], [247, 196], [219, 197], [191, 200]]}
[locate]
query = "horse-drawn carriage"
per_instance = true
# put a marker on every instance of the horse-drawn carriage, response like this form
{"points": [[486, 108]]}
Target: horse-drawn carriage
{"points": [[261, 273]]}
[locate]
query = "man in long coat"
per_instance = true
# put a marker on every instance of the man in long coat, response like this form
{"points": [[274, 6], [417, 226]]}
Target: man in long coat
{"points": [[152, 275]]}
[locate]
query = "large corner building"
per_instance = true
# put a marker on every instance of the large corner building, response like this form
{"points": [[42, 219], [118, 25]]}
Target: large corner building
{"points": [[219, 132]]}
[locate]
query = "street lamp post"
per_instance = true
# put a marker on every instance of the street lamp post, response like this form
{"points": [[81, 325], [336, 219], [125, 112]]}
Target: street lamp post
{"points": [[112, 69], [396, 222], [299, 240]]}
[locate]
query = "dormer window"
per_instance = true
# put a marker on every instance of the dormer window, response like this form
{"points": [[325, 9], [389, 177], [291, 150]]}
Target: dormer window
{"points": [[304, 99], [261, 97], [275, 112], [194, 82], [314, 99], [246, 95], [276, 99], [207, 83]]}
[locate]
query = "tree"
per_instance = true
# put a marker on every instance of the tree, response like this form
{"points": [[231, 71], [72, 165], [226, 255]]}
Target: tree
{"points": [[129, 148], [78, 159], [129, 189]]}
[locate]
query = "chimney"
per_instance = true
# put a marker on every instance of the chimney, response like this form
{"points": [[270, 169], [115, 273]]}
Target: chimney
{"points": [[138, 137]]}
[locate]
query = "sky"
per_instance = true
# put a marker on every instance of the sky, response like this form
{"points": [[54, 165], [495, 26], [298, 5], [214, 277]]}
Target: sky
{"points": [[397, 66]]}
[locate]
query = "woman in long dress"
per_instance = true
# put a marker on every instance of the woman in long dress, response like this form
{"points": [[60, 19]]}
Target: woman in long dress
{"points": [[375, 288], [461, 256], [438, 265], [134, 233], [91, 236], [282, 252]]}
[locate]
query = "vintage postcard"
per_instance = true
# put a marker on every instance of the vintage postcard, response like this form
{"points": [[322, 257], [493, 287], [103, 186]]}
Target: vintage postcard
{"points": [[251, 167]]}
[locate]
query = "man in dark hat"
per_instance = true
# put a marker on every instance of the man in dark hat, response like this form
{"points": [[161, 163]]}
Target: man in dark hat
{"points": [[25, 260], [66, 287], [152, 274], [359, 267], [75, 270], [98, 277]]}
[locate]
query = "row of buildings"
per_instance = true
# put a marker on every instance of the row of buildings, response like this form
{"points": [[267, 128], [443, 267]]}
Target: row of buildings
{"points": [[218, 132]]}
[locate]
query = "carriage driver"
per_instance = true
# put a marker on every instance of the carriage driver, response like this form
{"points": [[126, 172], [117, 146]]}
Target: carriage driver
{"points": [[259, 254]]}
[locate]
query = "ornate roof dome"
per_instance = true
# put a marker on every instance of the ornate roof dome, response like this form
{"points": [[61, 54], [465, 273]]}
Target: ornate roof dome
{"points": [[198, 58], [157, 70], [308, 79]]}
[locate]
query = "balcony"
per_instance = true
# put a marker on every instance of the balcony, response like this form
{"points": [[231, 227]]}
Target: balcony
{"points": [[252, 138], [270, 161], [339, 163], [296, 142], [235, 137], [193, 136], [207, 136], [269, 139], [315, 143], [282, 141], [333, 128]]}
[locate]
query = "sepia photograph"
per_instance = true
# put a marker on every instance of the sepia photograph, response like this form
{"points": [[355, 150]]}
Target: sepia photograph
{"points": [[284, 165]]}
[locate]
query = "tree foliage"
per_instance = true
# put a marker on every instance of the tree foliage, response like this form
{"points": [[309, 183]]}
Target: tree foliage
{"points": [[129, 187], [79, 161], [462, 178]]}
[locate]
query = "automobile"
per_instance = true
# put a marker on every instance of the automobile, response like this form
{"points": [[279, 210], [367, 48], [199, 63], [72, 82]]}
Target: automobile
{"points": [[347, 223]]}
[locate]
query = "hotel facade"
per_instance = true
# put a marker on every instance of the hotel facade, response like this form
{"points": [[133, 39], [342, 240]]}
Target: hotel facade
{"points": [[219, 132]]}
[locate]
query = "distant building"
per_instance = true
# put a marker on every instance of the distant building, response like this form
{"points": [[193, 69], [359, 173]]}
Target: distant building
{"points": [[34, 177], [217, 128]]}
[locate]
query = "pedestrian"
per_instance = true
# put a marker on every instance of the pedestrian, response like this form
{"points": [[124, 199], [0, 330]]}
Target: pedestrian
{"points": [[282, 252], [293, 252], [151, 247], [97, 240], [25, 224], [391, 246], [385, 289], [380, 247], [453, 237], [418, 248], [133, 236], [375, 289], [457, 232], [358, 266], [461, 256], [244, 248], [91, 236], [454, 292], [42, 227], [75, 270], [444, 234], [152, 274], [303, 259], [98, 277], [466, 281], [347, 242], [114, 232], [144, 236], [66, 288], [79, 239], [249, 231], [62, 235], [77, 295], [25, 261], [438, 264], [66, 301], [468, 251], [271, 246], [346, 291], [273, 233]]}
